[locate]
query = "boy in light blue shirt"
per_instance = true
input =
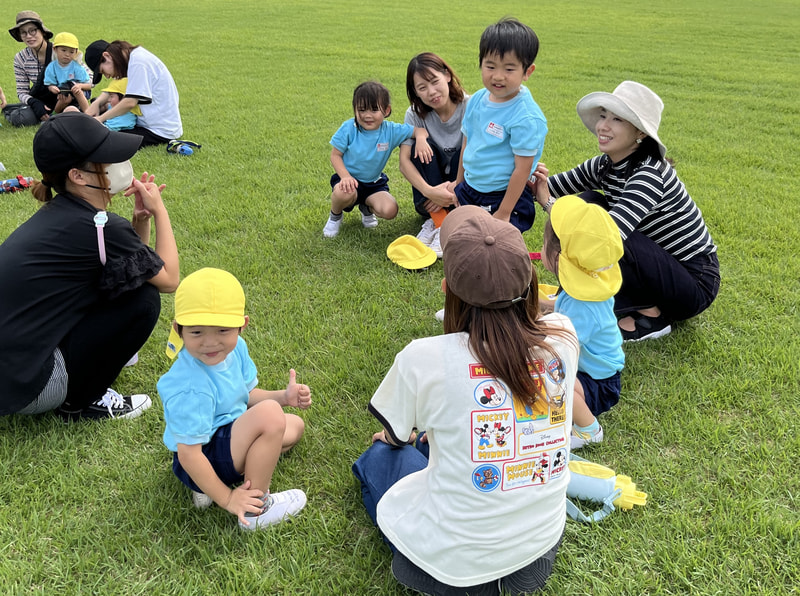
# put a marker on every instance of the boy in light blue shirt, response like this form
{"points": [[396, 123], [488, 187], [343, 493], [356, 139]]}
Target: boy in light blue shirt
{"points": [[65, 76], [222, 429], [503, 127]]}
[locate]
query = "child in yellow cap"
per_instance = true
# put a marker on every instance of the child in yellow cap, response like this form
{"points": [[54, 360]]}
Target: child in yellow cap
{"points": [[582, 247], [64, 76], [109, 98], [223, 429]]}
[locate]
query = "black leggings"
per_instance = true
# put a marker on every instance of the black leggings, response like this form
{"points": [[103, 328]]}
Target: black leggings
{"points": [[653, 277], [104, 340]]}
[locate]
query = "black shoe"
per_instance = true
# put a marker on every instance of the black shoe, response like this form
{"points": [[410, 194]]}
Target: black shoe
{"points": [[111, 405], [647, 328]]}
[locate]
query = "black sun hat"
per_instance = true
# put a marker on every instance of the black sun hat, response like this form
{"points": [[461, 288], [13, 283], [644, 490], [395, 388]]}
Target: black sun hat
{"points": [[69, 139]]}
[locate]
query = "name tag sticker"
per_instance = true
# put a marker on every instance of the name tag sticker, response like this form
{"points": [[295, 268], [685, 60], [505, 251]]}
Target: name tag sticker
{"points": [[383, 146], [496, 130]]}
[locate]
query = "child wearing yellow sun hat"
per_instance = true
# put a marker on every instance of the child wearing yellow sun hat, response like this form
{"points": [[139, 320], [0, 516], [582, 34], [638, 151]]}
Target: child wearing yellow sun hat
{"points": [[222, 429], [65, 77], [582, 247]]}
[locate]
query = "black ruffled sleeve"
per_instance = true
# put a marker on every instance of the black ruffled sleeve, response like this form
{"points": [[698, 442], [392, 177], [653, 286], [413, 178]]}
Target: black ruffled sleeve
{"points": [[130, 263], [131, 272]]}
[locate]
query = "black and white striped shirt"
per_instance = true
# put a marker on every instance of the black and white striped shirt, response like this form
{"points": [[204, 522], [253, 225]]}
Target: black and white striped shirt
{"points": [[652, 200]]}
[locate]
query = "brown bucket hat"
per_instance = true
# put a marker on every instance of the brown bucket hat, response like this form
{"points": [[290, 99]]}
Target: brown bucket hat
{"points": [[28, 16]]}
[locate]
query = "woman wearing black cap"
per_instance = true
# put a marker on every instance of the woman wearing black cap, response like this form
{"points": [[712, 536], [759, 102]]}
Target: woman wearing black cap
{"points": [[36, 102], [150, 86], [79, 286]]}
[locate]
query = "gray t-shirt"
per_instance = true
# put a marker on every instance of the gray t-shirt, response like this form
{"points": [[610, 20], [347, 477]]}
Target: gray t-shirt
{"points": [[447, 135]]}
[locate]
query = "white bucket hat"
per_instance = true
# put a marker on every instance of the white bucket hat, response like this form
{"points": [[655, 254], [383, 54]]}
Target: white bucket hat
{"points": [[632, 101]]}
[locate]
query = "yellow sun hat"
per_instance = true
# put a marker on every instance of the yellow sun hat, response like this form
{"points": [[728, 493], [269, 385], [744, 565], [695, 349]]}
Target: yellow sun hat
{"points": [[66, 40], [410, 253], [591, 247], [210, 297]]}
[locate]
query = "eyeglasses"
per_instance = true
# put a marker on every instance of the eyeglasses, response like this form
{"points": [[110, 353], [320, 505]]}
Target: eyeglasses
{"points": [[28, 32]]}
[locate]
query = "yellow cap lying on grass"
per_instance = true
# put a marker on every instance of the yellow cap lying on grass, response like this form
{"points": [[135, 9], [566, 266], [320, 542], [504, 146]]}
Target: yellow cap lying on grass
{"points": [[409, 252], [210, 297]]}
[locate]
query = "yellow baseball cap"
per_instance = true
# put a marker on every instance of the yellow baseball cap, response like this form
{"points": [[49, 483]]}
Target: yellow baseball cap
{"points": [[117, 86], [210, 297], [591, 247], [67, 40], [410, 253]]}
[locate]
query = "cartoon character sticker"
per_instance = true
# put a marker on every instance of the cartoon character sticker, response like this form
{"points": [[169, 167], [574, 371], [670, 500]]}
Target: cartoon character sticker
{"points": [[555, 370], [483, 436], [486, 478], [490, 394], [559, 464], [491, 432]]}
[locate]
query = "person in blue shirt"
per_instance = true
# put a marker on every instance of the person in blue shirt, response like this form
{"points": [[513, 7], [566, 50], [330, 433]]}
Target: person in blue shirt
{"points": [[223, 429], [503, 127], [361, 148], [65, 77], [582, 247]]}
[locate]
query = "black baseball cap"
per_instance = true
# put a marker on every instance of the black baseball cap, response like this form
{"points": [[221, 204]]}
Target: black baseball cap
{"points": [[93, 56], [69, 139]]}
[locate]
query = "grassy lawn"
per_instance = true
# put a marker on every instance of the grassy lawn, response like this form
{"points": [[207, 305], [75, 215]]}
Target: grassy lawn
{"points": [[708, 421]]}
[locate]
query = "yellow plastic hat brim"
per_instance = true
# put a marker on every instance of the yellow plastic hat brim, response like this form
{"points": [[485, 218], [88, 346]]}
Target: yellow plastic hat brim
{"points": [[592, 287], [547, 292], [409, 253]]}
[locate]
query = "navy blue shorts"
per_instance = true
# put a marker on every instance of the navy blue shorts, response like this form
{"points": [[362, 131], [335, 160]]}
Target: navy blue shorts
{"points": [[218, 452], [601, 395], [364, 189], [524, 211]]}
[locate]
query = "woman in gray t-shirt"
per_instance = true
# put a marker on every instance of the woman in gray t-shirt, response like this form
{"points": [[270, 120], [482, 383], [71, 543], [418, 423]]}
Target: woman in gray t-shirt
{"points": [[437, 104]]}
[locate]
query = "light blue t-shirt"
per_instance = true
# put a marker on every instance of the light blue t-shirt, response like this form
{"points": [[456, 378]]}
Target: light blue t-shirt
{"points": [[55, 74], [366, 152], [198, 399], [496, 132], [124, 122], [601, 354]]}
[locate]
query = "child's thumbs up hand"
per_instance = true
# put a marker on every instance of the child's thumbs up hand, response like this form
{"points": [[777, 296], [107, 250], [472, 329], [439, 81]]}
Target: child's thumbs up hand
{"points": [[297, 395]]}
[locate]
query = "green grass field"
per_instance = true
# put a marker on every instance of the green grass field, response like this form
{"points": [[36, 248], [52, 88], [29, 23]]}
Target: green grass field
{"points": [[708, 421]]}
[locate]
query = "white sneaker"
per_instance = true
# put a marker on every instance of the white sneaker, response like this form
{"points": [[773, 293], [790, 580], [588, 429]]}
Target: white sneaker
{"points": [[331, 229], [578, 439], [369, 221], [426, 233], [440, 315], [201, 500], [435, 244], [277, 508]]}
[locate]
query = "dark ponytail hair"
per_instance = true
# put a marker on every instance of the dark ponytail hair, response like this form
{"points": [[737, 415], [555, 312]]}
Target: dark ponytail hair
{"points": [[42, 190]]}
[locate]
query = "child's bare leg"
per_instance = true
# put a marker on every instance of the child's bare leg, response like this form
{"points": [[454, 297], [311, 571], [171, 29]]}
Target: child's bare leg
{"points": [[340, 200], [382, 204], [256, 442], [581, 414], [294, 431]]}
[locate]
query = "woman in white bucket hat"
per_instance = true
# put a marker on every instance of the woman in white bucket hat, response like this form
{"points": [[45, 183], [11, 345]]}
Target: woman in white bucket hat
{"points": [[670, 270]]}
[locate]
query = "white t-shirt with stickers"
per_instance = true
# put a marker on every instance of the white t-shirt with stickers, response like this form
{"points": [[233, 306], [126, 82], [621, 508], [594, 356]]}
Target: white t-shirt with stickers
{"points": [[493, 496]]}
